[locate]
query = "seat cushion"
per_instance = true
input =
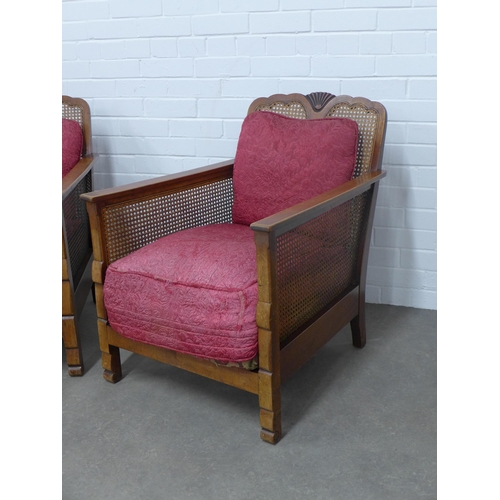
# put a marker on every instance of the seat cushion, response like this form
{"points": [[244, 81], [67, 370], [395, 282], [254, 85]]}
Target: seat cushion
{"points": [[72, 144], [194, 291], [282, 161]]}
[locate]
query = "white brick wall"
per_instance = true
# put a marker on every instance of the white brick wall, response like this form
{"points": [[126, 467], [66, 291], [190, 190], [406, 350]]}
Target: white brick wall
{"points": [[169, 82]]}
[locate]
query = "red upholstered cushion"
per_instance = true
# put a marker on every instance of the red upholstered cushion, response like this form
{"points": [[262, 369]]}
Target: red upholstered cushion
{"points": [[283, 161], [194, 291], [72, 144]]}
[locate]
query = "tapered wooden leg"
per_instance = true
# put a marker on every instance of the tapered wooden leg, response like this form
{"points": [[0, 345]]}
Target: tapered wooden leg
{"points": [[358, 328], [110, 355], [358, 324], [112, 365], [270, 426], [270, 407], [72, 346], [269, 346]]}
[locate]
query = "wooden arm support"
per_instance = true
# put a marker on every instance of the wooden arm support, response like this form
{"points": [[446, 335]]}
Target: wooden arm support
{"points": [[303, 212], [166, 204], [162, 185], [76, 174], [295, 251]]}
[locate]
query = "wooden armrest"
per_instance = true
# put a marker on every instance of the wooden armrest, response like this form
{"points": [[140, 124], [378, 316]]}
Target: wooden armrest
{"points": [[163, 184], [77, 173], [141, 212], [297, 215], [326, 249]]}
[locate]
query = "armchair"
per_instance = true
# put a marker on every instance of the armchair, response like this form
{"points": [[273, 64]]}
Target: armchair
{"points": [[76, 242], [241, 271]]}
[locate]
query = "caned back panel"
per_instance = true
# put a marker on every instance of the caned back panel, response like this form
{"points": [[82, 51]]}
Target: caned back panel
{"points": [[292, 109], [72, 113], [367, 126], [74, 108], [318, 262]]}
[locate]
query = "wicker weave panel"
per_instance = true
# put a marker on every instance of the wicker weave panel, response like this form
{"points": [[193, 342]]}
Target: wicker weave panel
{"points": [[77, 227], [317, 262], [72, 113], [134, 224], [293, 109], [367, 123]]}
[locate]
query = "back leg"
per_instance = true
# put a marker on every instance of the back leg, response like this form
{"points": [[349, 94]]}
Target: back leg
{"points": [[358, 328]]}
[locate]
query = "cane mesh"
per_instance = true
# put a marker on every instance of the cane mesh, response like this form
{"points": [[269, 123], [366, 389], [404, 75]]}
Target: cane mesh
{"points": [[292, 109], [72, 113], [75, 112], [77, 228], [134, 224], [317, 262], [367, 120]]}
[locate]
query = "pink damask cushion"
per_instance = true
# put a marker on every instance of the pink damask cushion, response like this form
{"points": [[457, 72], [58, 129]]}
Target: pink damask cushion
{"points": [[194, 291], [72, 143], [283, 161]]}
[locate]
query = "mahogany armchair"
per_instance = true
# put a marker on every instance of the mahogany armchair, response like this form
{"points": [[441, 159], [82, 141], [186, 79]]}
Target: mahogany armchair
{"points": [[76, 242], [285, 283]]}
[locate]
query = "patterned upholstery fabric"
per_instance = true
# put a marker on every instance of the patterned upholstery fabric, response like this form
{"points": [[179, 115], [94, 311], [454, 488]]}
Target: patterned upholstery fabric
{"points": [[281, 161], [194, 291], [72, 143]]}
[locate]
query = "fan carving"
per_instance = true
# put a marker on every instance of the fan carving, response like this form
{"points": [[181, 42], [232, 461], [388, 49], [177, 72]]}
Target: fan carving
{"points": [[319, 100]]}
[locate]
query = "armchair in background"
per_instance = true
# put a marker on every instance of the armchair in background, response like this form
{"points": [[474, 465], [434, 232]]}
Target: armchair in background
{"points": [[77, 172]]}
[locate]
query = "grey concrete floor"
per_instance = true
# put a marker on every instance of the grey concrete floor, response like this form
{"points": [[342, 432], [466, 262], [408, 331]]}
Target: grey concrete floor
{"points": [[358, 424]]}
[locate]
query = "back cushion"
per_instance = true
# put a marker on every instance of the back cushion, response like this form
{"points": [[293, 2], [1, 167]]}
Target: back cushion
{"points": [[283, 161], [72, 143]]}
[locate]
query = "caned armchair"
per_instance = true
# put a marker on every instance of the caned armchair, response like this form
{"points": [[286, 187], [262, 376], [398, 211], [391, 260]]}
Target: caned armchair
{"points": [[76, 242], [241, 271]]}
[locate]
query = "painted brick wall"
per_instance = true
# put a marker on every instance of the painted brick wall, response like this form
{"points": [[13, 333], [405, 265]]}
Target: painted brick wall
{"points": [[169, 82]]}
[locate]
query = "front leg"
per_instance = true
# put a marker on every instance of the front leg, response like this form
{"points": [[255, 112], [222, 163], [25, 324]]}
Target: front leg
{"points": [[270, 407], [110, 355], [269, 388]]}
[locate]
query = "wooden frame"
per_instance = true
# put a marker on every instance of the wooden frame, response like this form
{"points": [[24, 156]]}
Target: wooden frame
{"points": [[76, 242], [279, 355]]}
